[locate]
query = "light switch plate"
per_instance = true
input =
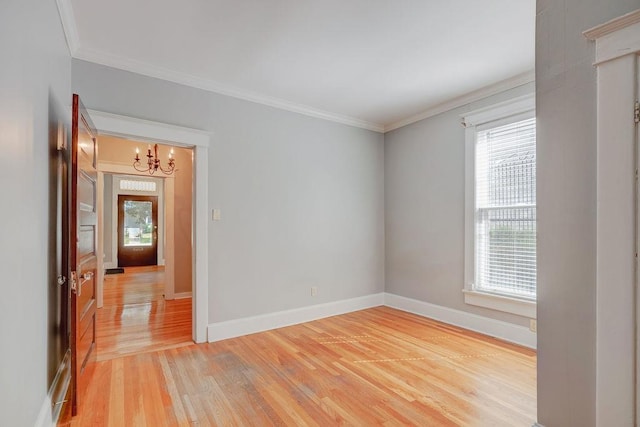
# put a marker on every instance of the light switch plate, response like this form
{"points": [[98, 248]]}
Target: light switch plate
{"points": [[215, 214]]}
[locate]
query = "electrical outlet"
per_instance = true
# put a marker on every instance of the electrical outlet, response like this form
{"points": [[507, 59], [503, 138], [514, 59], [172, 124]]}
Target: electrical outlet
{"points": [[533, 325], [314, 291], [215, 215]]}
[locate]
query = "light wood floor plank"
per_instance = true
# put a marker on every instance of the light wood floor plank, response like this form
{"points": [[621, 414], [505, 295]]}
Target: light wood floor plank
{"points": [[373, 367], [136, 318]]}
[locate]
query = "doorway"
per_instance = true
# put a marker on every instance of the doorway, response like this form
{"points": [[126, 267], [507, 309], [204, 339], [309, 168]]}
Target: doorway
{"points": [[146, 302], [143, 232], [109, 124], [137, 230]]}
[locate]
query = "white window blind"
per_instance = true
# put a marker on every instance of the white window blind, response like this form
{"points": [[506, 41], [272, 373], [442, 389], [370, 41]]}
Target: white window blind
{"points": [[505, 214], [130, 185]]}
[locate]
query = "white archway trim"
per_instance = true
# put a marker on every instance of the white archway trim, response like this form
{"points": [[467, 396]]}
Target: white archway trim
{"points": [[616, 38], [129, 127], [617, 44]]}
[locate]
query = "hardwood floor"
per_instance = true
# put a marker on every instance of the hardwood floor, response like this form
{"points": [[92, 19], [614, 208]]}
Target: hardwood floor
{"points": [[135, 316], [373, 367]]}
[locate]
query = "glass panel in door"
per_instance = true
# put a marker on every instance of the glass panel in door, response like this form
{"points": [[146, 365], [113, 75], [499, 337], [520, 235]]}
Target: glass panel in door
{"points": [[138, 223]]}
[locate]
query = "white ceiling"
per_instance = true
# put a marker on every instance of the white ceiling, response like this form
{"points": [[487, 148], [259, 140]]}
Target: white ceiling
{"points": [[376, 64]]}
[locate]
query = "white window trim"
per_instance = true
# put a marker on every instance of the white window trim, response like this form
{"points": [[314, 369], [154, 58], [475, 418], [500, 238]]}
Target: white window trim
{"points": [[472, 121]]}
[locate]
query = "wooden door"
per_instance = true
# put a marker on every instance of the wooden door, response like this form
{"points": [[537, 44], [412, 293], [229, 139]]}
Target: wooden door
{"points": [[83, 234], [137, 230]]}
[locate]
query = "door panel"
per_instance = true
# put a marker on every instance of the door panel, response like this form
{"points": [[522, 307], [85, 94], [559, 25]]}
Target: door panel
{"points": [[83, 248], [137, 230]]}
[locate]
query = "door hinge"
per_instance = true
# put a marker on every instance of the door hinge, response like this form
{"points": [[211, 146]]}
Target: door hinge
{"points": [[636, 112]]}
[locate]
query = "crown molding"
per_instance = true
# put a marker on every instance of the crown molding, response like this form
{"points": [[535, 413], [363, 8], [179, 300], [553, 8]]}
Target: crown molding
{"points": [[511, 83], [77, 51], [69, 25], [186, 79], [613, 25]]}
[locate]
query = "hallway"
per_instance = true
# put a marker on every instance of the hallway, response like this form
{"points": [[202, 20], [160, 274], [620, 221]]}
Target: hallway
{"points": [[135, 317]]}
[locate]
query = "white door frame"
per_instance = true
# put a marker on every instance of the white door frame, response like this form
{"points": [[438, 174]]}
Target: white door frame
{"points": [[133, 128], [617, 45]]}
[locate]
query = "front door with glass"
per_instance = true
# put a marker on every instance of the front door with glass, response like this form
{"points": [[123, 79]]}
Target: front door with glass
{"points": [[137, 230]]}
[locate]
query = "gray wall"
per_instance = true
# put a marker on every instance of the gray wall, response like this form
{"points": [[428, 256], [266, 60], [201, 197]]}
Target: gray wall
{"points": [[424, 209], [301, 199], [566, 114], [35, 95]]}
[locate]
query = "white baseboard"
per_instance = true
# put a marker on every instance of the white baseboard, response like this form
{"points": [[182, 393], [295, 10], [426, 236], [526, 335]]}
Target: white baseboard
{"points": [[182, 295], [249, 325], [537, 425], [110, 265], [506, 331], [495, 328]]}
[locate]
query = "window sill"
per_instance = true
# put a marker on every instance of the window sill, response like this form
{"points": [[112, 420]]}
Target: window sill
{"points": [[516, 306]]}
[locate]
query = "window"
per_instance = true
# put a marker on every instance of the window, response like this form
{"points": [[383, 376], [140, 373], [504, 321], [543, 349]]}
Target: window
{"points": [[131, 185], [500, 233]]}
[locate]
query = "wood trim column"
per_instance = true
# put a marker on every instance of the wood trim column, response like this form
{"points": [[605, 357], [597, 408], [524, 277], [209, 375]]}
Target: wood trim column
{"points": [[617, 44]]}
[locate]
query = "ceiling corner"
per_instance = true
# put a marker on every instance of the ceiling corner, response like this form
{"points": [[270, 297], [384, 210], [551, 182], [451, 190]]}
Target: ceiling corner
{"points": [[511, 83]]}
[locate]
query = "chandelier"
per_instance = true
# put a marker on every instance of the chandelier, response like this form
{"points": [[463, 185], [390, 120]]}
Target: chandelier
{"points": [[153, 162]]}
